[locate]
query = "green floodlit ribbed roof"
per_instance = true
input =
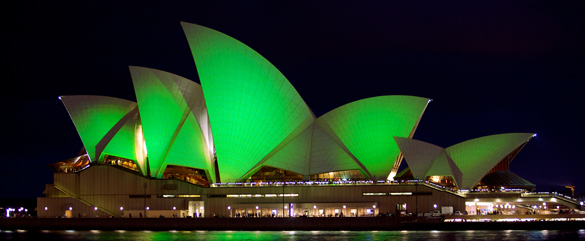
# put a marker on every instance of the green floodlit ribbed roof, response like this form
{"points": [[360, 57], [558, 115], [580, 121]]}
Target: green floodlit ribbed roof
{"points": [[252, 106], [95, 117], [328, 156], [440, 166], [419, 155], [295, 156], [171, 132], [445, 166], [477, 156], [366, 128], [122, 145], [425, 159]]}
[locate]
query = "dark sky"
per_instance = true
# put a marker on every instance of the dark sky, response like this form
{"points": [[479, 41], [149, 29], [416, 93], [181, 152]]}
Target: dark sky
{"points": [[491, 67]]}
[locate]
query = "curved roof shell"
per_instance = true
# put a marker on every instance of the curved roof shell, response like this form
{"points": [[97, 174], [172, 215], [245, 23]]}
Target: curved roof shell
{"points": [[425, 159], [366, 127], [419, 155], [246, 115], [252, 107], [95, 117], [477, 156], [171, 132], [467, 162]]}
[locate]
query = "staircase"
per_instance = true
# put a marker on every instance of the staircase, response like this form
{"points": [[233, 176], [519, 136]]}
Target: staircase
{"points": [[85, 202]]}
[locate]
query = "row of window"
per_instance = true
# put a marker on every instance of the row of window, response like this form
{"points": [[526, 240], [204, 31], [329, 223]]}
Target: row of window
{"points": [[163, 196], [262, 195], [386, 193], [395, 193]]}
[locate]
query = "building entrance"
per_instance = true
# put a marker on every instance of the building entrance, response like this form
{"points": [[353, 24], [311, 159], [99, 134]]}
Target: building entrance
{"points": [[196, 209]]}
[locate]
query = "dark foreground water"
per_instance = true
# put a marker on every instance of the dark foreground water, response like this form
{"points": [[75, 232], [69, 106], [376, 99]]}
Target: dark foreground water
{"points": [[294, 235]]}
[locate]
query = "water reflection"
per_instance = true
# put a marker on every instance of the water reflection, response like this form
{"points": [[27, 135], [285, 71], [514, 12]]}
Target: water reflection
{"points": [[294, 235]]}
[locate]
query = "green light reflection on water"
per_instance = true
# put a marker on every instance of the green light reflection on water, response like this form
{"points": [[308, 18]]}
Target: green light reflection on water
{"points": [[296, 235]]}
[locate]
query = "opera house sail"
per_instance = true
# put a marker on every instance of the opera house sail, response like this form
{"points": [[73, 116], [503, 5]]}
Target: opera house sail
{"points": [[185, 146]]}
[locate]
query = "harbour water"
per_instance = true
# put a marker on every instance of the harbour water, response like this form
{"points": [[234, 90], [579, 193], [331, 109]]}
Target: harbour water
{"points": [[294, 235]]}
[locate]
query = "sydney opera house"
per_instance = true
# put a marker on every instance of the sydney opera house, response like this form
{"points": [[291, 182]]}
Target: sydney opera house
{"points": [[244, 143]]}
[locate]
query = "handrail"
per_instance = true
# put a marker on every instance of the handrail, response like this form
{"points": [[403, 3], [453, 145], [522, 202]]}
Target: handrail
{"points": [[84, 201]]}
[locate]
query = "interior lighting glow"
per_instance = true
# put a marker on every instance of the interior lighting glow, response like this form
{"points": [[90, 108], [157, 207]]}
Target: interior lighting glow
{"points": [[435, 178], [171, 131]]}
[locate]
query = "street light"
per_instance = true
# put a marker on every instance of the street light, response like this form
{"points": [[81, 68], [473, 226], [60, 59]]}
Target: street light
{"points": [[416, 215], [314, 210], [230, 208], [95, 208], [144, 197], [121, 208]]}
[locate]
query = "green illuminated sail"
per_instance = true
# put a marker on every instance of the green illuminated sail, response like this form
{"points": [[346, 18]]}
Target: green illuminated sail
{"points": [[419, 155], [124, 145], [477, 156], [98, 119], [425, 159], [295, 156], [328, 156], [367, 127], [171, 132], [252, 107]]}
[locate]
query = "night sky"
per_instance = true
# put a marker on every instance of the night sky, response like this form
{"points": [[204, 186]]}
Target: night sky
{"points": [[490, 67]]}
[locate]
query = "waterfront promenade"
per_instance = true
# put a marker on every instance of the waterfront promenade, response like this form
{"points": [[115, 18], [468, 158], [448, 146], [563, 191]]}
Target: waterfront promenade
{"points": [[345, 223]]}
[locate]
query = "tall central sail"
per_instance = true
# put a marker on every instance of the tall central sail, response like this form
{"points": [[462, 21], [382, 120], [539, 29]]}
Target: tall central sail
{"points": [[252, 107]]}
